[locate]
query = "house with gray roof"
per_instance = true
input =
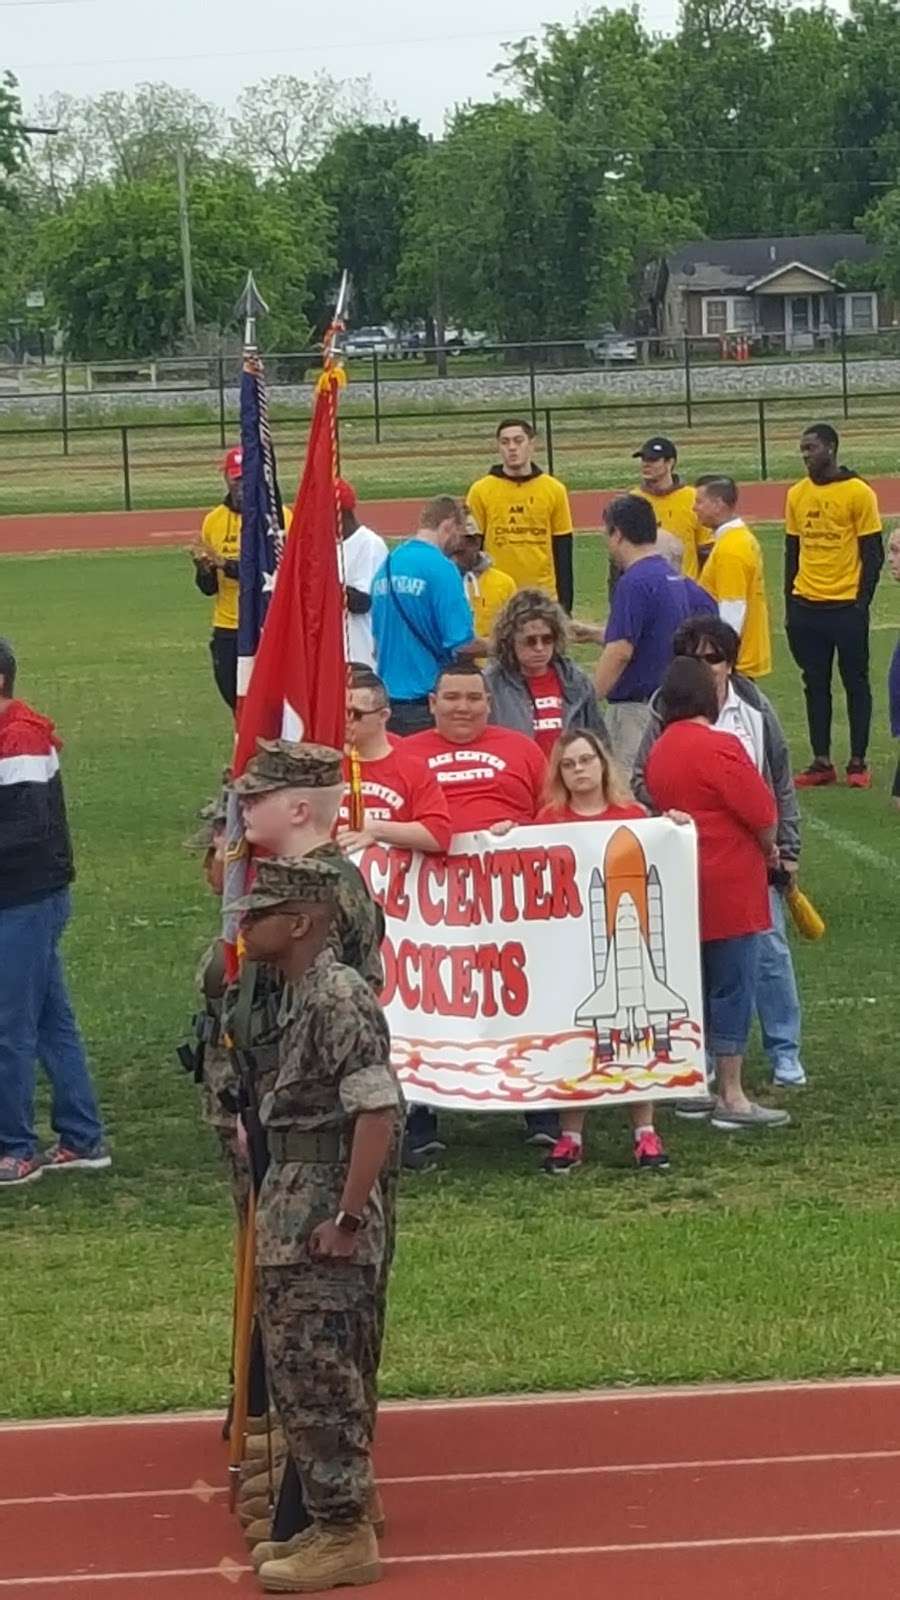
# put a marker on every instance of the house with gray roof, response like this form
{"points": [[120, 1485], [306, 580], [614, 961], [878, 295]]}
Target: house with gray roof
{"points": [[783, 292]]}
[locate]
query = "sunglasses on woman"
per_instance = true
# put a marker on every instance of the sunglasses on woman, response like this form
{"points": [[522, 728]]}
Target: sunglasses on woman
{"points": [[712, 656]]}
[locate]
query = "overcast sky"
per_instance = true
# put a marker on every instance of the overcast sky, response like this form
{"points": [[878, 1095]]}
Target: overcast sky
{"points": [[421, 58]]}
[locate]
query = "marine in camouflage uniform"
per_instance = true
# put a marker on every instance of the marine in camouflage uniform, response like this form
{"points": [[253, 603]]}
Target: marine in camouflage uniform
{"points": [[319, 1313], [355, 937], [212, 1063]]}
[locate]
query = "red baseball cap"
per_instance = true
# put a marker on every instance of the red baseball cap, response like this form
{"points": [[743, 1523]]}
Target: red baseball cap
{"points": [[346, 495], [233, 465]]}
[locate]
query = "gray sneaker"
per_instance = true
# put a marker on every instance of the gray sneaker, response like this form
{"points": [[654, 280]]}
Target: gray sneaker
{"points": [[755, 1116], [698, 1109], [59, 1159]]}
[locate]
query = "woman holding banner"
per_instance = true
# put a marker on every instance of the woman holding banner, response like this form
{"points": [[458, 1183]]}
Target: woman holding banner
{"points": [[583, 785], [709, 776]]}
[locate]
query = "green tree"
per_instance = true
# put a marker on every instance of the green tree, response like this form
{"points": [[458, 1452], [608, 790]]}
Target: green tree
{"points": [[365, 178], [112, 260], [285, 124], [125, 137], [13, 139], [867, 127]]}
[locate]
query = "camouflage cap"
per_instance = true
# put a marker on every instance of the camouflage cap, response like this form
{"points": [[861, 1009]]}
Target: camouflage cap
{"points": [[278, 880], [212, 818], [281, 764]]}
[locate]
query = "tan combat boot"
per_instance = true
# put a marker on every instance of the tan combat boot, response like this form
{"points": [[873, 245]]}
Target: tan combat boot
{"points": [[275, 1550], [251, 1510], [376, 1512], [336, 1558], [260, 1484], [258, 1533], [257, 1444]]}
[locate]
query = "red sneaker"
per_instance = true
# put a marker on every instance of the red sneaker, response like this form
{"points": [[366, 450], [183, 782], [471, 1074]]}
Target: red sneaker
{"points": [[567, 1153], [14, 1170], [858, 775], [649, 1152], [815, 776]]}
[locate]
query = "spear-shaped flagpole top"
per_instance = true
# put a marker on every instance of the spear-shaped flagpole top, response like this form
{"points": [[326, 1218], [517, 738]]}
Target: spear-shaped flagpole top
{"points": [[338, 321], [250, 306]]}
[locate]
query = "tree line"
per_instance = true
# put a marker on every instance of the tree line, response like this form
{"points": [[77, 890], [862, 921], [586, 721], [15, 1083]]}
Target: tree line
{"points": [[532, 217]]}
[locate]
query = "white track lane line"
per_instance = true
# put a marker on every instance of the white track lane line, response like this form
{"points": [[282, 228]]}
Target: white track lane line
{"points": [[232, 1570], [851, 845], [205, 1492], [577, 1397]]}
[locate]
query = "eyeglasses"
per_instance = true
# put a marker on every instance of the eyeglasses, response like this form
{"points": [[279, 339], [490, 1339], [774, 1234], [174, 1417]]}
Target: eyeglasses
{"points": [[535, 641], [355, 715]]}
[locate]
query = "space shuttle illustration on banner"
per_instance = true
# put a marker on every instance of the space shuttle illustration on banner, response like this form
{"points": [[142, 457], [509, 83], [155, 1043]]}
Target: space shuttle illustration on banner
{"points": [[632, 1005]]}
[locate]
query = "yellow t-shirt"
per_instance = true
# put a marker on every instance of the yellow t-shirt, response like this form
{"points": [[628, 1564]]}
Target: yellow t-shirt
{"points": [[829, 519], [675, 513], [222, 530], [734, 574], [487, 593], [520, 519]]}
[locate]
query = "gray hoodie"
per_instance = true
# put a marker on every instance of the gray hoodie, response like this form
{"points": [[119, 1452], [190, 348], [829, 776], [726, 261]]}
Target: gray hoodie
{"points": [[775, 766], [513, 707]]}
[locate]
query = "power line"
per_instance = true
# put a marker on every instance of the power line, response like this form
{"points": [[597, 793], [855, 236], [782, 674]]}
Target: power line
{"points": [[342, 45]]}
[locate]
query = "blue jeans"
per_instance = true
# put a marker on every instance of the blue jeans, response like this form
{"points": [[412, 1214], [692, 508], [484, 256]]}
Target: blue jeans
{"points": [[729, 989], [777, 1001], [37, 1023]]}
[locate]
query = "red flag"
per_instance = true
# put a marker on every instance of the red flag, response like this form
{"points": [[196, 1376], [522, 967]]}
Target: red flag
{"points": [[298, 686]]}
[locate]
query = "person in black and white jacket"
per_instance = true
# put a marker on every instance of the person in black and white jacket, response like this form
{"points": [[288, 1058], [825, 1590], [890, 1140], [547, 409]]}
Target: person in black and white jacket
{"points": [[751, 717], [36, 1018]]}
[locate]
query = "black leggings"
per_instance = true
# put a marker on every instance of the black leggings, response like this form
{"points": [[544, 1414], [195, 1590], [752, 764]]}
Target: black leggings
{"points": [[223, 649], [815, 634]]}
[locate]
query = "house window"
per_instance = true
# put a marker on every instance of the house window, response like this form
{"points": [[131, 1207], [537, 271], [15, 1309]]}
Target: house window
{"points": [[862, 313], [742, 318], [716, 313]]}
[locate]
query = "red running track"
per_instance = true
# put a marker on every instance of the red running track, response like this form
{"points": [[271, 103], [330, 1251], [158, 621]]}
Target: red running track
{"points": [[754, 1493], [116, 530]]}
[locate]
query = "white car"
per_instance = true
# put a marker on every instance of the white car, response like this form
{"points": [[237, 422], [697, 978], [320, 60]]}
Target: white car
{"points": [[610, 347], [375, 341]]}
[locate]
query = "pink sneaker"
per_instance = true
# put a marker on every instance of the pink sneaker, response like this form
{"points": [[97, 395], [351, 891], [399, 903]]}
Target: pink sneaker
{"points": [[649, 1152], [567, 1153]]}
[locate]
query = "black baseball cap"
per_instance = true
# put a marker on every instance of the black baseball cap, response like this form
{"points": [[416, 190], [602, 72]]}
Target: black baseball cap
{"points": [[656, 449]]}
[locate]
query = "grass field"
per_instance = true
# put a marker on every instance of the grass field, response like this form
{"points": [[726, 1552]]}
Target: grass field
{"points": [[769, 1257], [422, 452]]}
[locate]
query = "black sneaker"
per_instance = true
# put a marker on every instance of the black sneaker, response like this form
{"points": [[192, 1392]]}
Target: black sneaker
{"points": [[542, 1128]]}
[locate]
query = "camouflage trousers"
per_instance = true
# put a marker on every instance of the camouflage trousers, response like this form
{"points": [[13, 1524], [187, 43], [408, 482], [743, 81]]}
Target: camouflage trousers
{"points": [[320, 1346], [375, 1342]]}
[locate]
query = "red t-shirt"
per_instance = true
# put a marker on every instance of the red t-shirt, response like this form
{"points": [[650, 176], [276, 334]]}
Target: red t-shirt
{"points": [[547, 699], [496, 777], [628, 813], [693, 768], [398, 788]]}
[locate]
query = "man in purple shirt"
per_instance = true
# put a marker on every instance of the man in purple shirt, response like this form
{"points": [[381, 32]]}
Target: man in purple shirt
{"points": [[649, 602]]}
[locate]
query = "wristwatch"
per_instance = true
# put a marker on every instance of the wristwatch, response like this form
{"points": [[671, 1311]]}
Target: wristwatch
{"points": [[348, 1222]]}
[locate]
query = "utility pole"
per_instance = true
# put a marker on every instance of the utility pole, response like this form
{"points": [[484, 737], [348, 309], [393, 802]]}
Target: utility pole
{"points": [[185, 222]]}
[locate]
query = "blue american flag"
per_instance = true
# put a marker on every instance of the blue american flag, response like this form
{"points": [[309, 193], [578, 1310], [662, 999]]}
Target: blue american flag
{"points": [[261, 524]]}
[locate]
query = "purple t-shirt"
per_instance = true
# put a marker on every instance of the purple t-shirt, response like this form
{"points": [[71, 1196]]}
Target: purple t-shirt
{"points": [[649, 603]]}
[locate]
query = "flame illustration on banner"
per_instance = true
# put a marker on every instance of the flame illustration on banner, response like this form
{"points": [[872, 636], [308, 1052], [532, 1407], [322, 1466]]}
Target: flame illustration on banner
{"points": [[632, 1004]]}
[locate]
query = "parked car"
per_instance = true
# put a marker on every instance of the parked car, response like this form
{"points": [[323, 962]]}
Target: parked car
{"points": [[374, 341], [458, 340], [609, 346]]}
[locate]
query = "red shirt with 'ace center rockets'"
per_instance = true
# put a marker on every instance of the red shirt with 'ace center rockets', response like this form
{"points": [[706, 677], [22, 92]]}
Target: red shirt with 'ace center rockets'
{"points": [[497, 776], [399, 788]]}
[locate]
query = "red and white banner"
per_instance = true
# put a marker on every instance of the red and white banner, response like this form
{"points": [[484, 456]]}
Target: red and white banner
{"points": [[558, 966]]}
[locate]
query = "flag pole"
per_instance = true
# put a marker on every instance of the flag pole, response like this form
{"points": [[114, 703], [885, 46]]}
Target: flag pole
{"points": [[333, 379]]}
